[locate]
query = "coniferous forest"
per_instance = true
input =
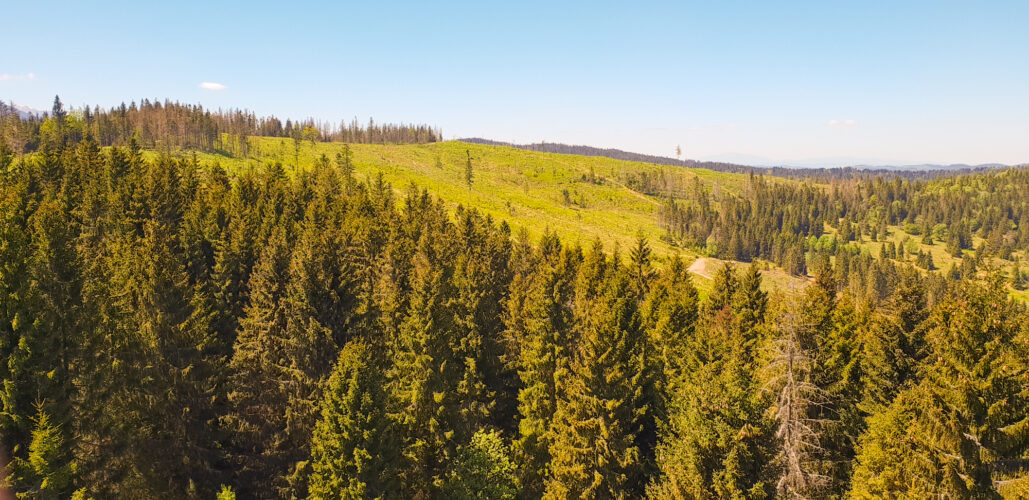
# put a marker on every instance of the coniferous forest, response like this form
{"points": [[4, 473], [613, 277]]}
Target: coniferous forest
{"points": [[173, 329]]}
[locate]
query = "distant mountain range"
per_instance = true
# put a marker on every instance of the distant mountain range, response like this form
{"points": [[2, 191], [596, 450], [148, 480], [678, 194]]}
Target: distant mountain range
{"points": [[934, 166], [23, 112], [844, 162], [816, 168]]}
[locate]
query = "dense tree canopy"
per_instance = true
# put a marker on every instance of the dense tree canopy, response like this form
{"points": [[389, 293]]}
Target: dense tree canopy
{"points": [[169, 329]]}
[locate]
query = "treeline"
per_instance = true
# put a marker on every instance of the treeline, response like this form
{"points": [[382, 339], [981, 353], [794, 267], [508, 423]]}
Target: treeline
{"points": [[173, 330], [157, 125], [782, 221], [824, 174]]}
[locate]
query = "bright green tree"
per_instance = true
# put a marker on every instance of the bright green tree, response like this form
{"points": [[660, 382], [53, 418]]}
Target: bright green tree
{"points": [[354, 451], [670, 314], [48, 471], [483, 470], [967, 417]]}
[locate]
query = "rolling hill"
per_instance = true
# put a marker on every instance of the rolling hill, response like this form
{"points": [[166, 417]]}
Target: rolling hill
{"points": [[580, 198]]}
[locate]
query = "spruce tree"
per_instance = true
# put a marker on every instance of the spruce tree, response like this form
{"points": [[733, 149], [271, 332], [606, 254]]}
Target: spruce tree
{"points": [[48, 471], [748, 300], [670, 314], [345, 163], [44, 302], [723, 289], [891, 345], [483, 470], [601, 406], [541, 325], [967, 416], [261, 449], [354, 451], [171, 415], [640, 266], [715, 443], [320, 316], [481, 279], [423, 379]]}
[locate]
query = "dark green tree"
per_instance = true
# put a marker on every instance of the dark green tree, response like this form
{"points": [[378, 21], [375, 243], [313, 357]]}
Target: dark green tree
{"points": [[540, 324], [426, 371], [601, 405], [261, 447]]}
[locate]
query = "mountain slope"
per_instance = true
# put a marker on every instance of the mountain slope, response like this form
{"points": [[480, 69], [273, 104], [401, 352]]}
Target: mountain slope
{"points": [[580, 198]]}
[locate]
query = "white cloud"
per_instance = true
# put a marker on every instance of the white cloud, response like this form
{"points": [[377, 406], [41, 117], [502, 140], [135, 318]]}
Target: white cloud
{"points": [[212, 86], [842, 123], [6, 77]]}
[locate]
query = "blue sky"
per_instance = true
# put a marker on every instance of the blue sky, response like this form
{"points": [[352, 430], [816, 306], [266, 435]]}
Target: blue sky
{"points": [[785, 82]]}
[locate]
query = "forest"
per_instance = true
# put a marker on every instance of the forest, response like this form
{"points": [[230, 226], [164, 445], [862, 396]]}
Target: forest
{"points": [[183, 126], [787, 223], [173, 329]]}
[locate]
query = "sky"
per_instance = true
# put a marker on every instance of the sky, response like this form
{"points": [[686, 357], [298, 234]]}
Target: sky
{"points": [[800, 83]]}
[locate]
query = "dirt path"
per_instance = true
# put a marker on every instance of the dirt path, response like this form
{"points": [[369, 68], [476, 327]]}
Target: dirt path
{"points": [[699, 267]]}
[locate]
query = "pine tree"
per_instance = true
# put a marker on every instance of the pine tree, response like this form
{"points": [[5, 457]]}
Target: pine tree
{"points": [[468, 174], [541, 324], [601, 406], [48, 472], [967, 416], [256, 420], [483, 470], [423, 379], [354, 451]]}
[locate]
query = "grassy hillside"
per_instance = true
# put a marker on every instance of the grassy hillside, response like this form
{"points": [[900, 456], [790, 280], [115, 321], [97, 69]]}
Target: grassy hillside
{"points": [[525, 188], [578, 197], [529, 190]]}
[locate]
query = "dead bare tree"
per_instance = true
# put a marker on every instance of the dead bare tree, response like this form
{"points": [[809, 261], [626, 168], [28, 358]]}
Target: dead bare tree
{"points": [[797, 432]]}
